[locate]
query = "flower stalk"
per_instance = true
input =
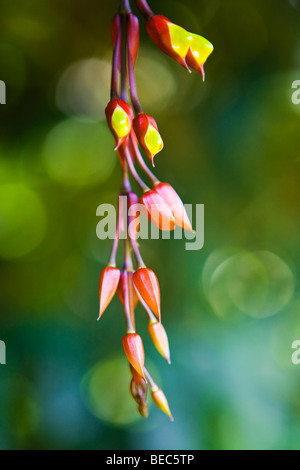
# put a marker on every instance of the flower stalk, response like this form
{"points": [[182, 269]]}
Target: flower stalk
{"points": [[136, 134]]}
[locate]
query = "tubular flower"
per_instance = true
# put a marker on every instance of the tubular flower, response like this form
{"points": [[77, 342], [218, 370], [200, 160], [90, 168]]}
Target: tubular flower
{"points": [[148, 135], [133, 130], [161, 402], [147, 286], [119, 116], [160, 339], [133, 36], [134, 350], [169, 195], [126, 277], [157, 210], [186, 48], [108, 284]]}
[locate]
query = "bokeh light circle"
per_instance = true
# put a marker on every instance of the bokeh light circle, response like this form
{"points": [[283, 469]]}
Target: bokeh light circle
{"points": [[258, 284], [79, 153], [22, 220], [105, 389]]}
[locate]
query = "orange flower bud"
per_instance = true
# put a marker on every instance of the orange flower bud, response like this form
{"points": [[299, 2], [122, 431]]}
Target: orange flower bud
{"points": [[161, 402], [134, 350], [169, 195], [147, 286], [186, 48], [148, 135], [160, 339], [108, 284], [119, 116], [133, 297], [157, 210]]}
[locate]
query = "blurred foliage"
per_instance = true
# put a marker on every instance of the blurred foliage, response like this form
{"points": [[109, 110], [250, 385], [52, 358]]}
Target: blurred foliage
{"points": [[231, 309]]}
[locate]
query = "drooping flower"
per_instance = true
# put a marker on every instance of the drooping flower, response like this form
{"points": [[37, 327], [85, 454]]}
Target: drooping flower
{"points": [[133, 35], [119, 117], [147, 286], [170, 196], [108, 284], [148, 135], [160, 339], [161, 402], [126, 277], [157, 210], [186, 48], [134, 350]]}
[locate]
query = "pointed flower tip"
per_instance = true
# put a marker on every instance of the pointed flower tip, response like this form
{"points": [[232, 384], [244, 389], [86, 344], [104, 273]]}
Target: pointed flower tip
{"points": [[119, 117], [108, 284], [161, 402], [158, 211], [147, 286], [148, 135], [171, 198], [134, 350], [188, 49], [160, 339]]}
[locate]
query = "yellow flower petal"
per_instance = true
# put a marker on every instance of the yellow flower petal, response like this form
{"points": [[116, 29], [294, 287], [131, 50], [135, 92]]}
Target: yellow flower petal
{"points": [[120, 122], [153, 140], [179, 39], [201, 48]]}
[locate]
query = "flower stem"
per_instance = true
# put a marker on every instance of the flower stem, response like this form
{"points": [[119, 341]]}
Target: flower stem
{"points": [[134, 173], [124, 20], [144, 8], [115, 63], [152, 384], [113, 254], [142, 163], [133, 90]]}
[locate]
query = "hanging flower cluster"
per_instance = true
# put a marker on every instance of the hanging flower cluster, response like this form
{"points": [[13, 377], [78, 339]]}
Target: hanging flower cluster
{"points": [[133, 130]]}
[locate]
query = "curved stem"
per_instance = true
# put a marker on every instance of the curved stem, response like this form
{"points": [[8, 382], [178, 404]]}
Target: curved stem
{"points": [[115, 64], [152, 384], [124, 19], [126, 186], [144, 8], [134, 173], [133, 90], [113, 254], [142, 163]]}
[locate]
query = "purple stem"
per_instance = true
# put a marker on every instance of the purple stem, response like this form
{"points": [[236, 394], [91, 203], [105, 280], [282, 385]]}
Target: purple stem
{"points": [[144, 8], [142, 163]]}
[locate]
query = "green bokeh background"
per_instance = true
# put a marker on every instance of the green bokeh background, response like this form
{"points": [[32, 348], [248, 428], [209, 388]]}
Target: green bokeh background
{"points": [[231, 310]]}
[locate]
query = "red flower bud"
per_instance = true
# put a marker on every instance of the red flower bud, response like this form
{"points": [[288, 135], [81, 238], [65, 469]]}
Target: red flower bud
{"points": [[108, 284], [161, 402], [134, 350], [158, 29], [148, 135], [186, 48], [157, 210], [133, 32], [119, 116], [126, 277], [169, 195], [147, 286]]}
